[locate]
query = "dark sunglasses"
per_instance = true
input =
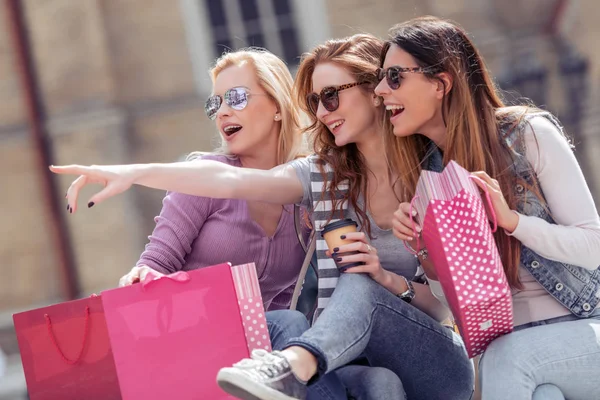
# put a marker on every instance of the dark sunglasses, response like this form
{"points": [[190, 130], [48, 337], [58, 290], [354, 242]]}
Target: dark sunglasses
{"points": [[329, 97], [236, 98], [393, 77]]}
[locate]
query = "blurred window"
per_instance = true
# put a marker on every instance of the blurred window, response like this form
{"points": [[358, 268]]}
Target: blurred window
{"points": [[261, 23], [285, 27]]}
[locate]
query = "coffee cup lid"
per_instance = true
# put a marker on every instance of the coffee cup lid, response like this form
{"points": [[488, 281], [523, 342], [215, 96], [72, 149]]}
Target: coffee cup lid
{"points": [[338, 224]]}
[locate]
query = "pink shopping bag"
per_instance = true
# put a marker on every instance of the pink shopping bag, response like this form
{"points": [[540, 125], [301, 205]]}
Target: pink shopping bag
{"points": [[461, 245], [251, 307], [66, 352], [171, 334]]}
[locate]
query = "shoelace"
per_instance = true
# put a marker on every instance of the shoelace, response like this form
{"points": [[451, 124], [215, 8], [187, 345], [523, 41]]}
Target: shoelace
{"points": [[262, 362]]}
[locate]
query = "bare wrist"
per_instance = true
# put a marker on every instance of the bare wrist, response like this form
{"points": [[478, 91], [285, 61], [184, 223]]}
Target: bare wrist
{"points": [[512, 222], [139, 172], [386, 279]]}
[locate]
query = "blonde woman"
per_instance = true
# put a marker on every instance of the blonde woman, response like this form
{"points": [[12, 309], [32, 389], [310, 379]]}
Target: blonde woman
{"points": [[252, 107], [259, 128], [377, 310]]}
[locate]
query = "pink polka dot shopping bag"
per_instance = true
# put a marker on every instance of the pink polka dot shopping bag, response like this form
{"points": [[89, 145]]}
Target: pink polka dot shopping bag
{"points": [[461, 245]]}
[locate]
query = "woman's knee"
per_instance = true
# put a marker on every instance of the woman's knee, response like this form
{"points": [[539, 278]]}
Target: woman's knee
{"points": [[383, 377], [375, 383], [284, 325], [504, 362], [548, 392], [501, 355]]}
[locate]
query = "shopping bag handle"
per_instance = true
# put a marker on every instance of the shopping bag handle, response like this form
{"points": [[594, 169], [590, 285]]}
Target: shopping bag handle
{"points": [[179, 276], [414, 228], [83, 342], [490, 206], [489, 201]]}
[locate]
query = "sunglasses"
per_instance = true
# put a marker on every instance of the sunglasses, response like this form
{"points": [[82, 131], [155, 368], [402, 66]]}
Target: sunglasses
{"points": [[393, 77], [329, 97], [236, 98]]}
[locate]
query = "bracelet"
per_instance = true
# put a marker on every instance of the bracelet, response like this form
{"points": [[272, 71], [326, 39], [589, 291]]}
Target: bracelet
{"points": [[423, 253]]}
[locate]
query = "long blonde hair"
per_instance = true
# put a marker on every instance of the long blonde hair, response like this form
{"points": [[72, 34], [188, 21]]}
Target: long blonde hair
{"points": [[274, 77]]}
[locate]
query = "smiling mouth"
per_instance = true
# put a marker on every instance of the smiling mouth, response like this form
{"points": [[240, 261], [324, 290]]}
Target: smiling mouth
{"points": [[395, 110], [336, 125], [231, 129]]}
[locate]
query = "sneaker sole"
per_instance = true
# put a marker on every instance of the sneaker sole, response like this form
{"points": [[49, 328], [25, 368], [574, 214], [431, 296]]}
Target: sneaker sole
{"points": [[247, 389]]}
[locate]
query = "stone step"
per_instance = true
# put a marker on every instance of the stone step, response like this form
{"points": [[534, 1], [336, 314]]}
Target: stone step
{"points": [[12, 383]]}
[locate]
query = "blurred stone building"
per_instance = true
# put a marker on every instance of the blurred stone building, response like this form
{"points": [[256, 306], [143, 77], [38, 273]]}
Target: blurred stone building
{"points": [[124, 81]]}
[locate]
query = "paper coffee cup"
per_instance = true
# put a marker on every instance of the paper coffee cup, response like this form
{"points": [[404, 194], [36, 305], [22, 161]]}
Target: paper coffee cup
{"points": [[332, 233]]}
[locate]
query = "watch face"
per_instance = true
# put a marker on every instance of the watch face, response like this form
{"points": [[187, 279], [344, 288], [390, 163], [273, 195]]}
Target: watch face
{"points": [[409, 294]]}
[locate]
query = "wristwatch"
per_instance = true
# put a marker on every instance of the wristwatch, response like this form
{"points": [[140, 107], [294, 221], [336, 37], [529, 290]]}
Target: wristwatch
{"points": [[409, 294]]}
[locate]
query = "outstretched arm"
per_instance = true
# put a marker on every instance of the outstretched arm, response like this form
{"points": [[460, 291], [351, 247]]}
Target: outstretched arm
{"points": [[207, 178]]}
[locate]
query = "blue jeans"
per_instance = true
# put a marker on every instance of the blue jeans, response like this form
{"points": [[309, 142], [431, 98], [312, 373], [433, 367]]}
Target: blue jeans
{"points": [[370, 383], [363, 317], [359, 381], [550, 360]]}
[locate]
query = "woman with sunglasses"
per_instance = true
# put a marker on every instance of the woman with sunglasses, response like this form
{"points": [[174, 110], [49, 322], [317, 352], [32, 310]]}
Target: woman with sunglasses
{"points": [[376, 309], [259, 128], [444, 106], [252, 109]]}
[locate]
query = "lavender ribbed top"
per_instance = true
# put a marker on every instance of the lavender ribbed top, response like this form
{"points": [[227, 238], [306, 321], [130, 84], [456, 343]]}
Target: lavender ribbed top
{"points": [[194, 232]]}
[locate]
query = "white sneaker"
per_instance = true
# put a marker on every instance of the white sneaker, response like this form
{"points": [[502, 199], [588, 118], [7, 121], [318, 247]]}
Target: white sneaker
{"points": [[265, 376]]}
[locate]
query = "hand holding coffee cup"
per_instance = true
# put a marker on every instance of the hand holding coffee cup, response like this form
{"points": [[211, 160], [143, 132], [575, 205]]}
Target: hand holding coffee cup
{"points": [[360, 257], [350, 249], [335, 234]]}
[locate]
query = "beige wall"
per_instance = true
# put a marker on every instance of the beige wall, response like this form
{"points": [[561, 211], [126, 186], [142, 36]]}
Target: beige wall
{"points": [[117, 84], [70, 50], [27, 259], [12, 111], [148, 50]]}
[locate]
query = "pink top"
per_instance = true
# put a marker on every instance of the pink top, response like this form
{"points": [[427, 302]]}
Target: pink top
{"points": [[194, 232]]}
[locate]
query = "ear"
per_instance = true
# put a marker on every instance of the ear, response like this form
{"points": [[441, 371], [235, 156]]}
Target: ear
{"points": [[444, 84]]}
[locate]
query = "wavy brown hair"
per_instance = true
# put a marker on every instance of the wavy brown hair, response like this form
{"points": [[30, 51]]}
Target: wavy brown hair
{"points": [[359, 55], [473, 112]]}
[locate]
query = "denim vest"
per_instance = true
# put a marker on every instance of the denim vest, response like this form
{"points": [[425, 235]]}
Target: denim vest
{"points": [[577, 288]]}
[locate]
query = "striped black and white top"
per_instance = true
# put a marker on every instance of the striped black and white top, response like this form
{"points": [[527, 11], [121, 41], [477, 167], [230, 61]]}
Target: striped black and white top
{"points": [[392, 253]]}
